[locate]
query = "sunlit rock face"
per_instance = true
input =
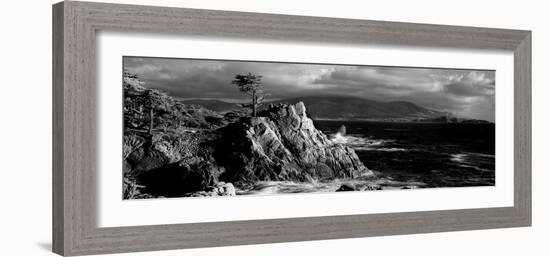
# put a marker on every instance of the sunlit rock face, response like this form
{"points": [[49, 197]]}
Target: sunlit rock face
{"points": [[283, 144]]}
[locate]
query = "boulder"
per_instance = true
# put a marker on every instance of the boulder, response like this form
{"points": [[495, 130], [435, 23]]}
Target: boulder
{"points": [[220, 189]]}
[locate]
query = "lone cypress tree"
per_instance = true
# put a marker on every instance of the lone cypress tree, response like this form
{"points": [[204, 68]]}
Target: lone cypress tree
{"points": [[251, 85]]}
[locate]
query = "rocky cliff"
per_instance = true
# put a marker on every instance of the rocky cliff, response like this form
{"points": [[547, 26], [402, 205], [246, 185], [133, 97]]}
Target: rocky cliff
{"points": [[282, 144]]}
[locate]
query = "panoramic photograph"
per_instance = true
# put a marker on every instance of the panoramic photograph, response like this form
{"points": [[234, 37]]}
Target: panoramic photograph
{"points": [[212, 128]]}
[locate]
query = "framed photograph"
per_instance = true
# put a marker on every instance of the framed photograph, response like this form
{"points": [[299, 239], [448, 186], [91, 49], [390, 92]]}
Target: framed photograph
{"points": [[183, 128]]}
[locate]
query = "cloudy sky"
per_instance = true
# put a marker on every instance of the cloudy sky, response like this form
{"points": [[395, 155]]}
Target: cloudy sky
{"points": [[466, 93]]}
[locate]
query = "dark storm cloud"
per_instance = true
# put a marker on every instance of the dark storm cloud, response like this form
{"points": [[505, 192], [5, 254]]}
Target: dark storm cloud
{"points": [[471, 84], [465, 93]]}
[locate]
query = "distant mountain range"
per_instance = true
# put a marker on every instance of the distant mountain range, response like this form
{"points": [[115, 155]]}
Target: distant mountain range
{"points": [[347, 108], [350, 108]]}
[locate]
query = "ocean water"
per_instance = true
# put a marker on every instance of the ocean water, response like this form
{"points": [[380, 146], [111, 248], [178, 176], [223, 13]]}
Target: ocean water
{"points": [[421, 154]]}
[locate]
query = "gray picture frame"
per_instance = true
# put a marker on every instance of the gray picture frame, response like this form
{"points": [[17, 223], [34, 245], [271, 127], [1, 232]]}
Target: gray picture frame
{"points": [[75, 25]]}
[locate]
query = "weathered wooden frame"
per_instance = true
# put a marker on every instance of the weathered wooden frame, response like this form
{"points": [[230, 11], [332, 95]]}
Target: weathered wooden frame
{"points": [[74, 130]]}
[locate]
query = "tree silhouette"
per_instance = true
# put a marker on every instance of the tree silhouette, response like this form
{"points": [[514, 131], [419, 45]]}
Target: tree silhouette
{"points": [[154, 101], [151, 102], [142, 100], [251, 85]]}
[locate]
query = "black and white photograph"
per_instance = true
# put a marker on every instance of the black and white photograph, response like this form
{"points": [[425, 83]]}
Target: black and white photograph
{"points": [[210, 128]]}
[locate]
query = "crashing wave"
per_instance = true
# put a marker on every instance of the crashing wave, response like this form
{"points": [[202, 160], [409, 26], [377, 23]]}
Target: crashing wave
{"points": [[359, 143], [340, 136]]}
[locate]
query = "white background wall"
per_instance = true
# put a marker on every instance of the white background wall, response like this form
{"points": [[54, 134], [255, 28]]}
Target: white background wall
{"points": [[25, 128]]}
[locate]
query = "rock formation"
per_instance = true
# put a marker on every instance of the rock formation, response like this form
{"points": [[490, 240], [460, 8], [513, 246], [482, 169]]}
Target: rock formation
{"points": [[282, 144], [220, 189]]}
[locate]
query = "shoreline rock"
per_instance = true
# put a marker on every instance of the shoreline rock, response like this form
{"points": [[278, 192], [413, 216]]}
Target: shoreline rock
{"points": [[220, 189], [282, 144]]}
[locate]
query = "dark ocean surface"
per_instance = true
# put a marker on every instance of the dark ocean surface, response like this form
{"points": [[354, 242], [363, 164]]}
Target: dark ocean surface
{"points": [[422, 154]]}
